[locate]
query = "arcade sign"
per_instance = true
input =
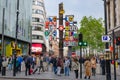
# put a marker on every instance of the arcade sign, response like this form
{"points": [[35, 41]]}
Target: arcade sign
{"points": [[61, 27], [70, 43]]}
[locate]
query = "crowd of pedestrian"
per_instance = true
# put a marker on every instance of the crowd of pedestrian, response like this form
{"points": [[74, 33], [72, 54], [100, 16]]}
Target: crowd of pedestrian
{"points": [[33, 64]]}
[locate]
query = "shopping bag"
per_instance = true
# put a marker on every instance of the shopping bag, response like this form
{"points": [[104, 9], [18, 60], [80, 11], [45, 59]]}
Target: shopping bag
{"points": [[31, 71]]}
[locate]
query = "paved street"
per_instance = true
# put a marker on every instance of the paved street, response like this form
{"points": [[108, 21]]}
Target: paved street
{"points": [[51, 76]]}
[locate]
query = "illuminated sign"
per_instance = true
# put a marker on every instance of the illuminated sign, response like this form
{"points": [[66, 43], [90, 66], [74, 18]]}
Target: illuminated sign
{"points": [[67, 28], [36, 47]]}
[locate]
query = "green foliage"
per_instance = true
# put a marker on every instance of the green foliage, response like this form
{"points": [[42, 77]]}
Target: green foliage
{"points": [[92, 30]]}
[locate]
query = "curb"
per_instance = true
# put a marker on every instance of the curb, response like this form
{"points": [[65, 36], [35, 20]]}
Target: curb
{"points": [[19, 78]]}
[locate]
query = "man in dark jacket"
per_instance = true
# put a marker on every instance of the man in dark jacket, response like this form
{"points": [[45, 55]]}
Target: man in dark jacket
{"points": [[54, 62], [102, 65], [27, 65]]}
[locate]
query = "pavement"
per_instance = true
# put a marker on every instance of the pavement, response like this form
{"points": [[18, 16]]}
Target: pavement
{"points": [[49, 75]]}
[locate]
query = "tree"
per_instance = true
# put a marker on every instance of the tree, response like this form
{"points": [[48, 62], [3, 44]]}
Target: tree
{"points": [[92, 30]]}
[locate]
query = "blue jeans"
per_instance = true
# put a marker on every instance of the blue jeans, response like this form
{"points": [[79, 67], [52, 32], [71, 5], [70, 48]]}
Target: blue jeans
{"points": [[67, 71], [10, 66], [55, 69]]}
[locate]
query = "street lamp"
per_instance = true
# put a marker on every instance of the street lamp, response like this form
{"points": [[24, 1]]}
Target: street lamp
{"points": [[16, 34], [108, 67], [2, 51]]}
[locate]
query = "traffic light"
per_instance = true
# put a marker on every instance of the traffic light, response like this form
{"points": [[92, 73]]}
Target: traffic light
{"points": [[82, 43], [80, 37], [117, 40]]}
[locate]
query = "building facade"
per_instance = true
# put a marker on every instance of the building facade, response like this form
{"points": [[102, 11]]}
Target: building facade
{"points": [[113, 20], [9, 28], [38, 21]]}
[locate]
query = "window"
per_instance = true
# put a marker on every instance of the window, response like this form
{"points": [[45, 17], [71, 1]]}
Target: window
{"points": [[41, 20], [38, 3], [33, 10], [37, 37], [37, 11], [37, 28], [39, 24], [35, 19]]}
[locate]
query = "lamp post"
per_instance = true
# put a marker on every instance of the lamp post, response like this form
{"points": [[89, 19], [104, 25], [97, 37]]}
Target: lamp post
{"points": [[16, 34], [61, 12], [2, 52], [107, 64], [114, 5], [80, 44]]}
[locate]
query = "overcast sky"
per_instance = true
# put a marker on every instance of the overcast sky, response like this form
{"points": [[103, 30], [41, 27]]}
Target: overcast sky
{"points": [[78, 8]]}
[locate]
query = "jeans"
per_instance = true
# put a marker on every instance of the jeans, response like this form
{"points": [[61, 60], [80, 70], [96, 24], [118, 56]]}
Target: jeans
{"points": [[93, 71], [10, 66], [55, 69], [67, 71], [58, 70]]}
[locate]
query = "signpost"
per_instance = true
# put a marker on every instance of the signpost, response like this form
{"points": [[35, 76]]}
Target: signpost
{"points": [[106, 38]]}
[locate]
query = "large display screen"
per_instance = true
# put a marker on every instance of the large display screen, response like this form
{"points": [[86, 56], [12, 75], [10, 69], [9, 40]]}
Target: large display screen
{"points": [[36, 47]]}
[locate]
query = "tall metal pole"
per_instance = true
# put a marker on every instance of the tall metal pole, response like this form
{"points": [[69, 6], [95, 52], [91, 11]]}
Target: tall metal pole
{"points": [[114, 39], [114, 55], [15, 53], [107, 64], [80, 38], [2, 52], [80, 62], [60, 31]]}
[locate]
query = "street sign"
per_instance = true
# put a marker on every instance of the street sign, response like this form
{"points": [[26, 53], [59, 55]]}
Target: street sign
{"points": [[106, 38], [46, 32], [73, 28], [70, 43], [61, 27], [107, 49], [54, 33]]}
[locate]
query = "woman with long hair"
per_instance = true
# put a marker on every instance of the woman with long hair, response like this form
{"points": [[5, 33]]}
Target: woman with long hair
{"points": [[87, 65], [75, 67], [93, 62]]}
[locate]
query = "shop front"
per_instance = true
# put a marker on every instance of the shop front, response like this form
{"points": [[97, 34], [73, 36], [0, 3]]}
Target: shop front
{"points": [[36, 48], [9, 47]]}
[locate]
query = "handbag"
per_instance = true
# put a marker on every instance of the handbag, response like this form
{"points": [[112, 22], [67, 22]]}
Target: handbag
{"points": [[4, 63]]}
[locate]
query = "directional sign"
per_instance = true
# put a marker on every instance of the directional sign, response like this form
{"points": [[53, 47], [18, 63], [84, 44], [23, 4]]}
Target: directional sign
{"points": [[70, 43], [54, 33], [106, 38], [61, 27], [67, 28]]}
